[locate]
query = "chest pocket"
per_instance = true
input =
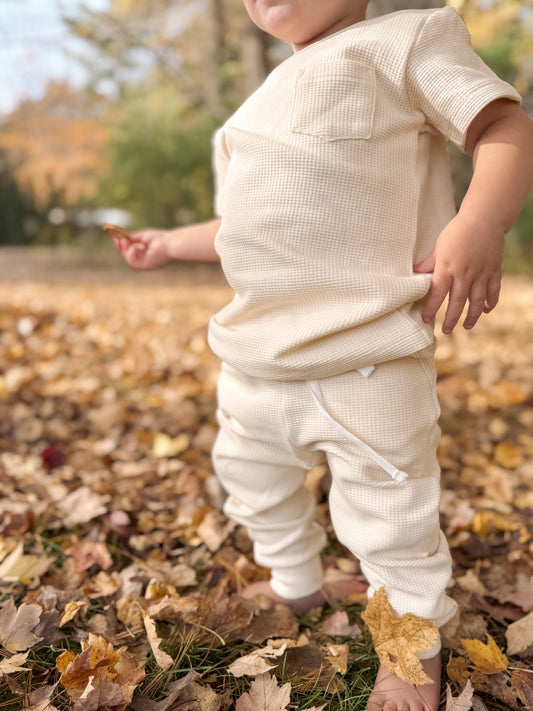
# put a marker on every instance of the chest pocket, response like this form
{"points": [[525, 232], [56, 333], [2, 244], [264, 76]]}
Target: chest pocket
{"points": [[335, 102]]}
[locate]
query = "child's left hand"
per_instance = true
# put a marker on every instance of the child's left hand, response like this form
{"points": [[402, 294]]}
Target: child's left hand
{"points": [[466, 265]]}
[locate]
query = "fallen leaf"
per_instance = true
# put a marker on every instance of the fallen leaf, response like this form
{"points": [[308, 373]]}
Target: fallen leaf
{"points": [[17, 567], [12, 664], [165, 446], [337, 656], [265, 695], [39, 699], [163, 659], [463, 702], [338, 625], [521, 593], [398, 639], [106, 695], [256, 663], [88, 553], [488, 658], [82, 505], [71, 610], [520, 635], [16, 625]]}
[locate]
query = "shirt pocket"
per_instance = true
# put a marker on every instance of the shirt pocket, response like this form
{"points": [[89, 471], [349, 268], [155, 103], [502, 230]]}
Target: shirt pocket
{"points": [[335, 102]]}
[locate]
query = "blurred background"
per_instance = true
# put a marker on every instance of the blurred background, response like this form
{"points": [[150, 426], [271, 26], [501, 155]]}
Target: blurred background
{"points": [[107, 108]]}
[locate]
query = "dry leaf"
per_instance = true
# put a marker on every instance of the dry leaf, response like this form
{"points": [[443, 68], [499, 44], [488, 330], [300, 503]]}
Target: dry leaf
{"points": [[265, 695], [337, 656], [463, 702], [39, 700], [97, 661], [106, 695], [82, 505], [165, 446], [12, 664], [488, 658], [163, 659], [256, 662], [520, 635], [24, 568], [16, 625], [398, 639], [71, 610], [338, 625]]}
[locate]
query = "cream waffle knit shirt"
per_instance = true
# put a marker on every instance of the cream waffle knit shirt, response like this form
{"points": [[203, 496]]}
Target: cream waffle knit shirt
{"points": [[332, 181]]}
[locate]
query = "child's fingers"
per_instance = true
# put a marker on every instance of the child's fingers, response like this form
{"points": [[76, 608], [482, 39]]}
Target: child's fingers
{"points": [[436, 295], [456, 303], [476, 305]]}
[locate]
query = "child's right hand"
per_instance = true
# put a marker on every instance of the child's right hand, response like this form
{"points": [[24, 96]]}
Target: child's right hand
{"points": [[146, 249]]}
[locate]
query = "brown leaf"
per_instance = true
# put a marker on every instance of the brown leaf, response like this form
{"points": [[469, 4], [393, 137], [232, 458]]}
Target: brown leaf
{"points": [[398, 639], [106, 695], [88, 553], [163, 659], [488, 658], [265, 695], [39, 699], [520, 635], [16, 626]]}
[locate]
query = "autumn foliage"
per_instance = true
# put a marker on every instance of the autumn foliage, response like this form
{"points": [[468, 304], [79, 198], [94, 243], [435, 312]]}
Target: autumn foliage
{"points": [[119, 575]]}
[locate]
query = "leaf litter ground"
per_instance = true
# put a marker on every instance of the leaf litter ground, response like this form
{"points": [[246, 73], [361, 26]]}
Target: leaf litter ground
{"points": [[119, 575]]}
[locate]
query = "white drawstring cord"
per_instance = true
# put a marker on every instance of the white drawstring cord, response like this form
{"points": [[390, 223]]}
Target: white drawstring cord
{"points": [[394, 473]]}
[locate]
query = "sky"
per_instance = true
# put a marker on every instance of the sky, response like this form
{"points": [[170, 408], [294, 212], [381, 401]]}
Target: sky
{"points": [[34, 47]]}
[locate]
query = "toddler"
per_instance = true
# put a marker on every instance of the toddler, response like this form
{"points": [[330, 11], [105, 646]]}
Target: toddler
{"points": [[338, 233]]}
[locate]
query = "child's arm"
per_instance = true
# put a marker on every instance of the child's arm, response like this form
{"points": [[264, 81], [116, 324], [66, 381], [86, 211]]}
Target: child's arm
{"points": [[466, 261], [150, 249]]}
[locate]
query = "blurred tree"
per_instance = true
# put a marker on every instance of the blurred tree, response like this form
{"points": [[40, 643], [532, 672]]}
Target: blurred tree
{"points": [[15, 208], [160, 159], [53, 148], [209, 49]]}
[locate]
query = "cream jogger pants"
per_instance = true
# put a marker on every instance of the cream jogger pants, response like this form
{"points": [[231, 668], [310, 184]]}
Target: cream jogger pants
{"points": [[378, 434]]}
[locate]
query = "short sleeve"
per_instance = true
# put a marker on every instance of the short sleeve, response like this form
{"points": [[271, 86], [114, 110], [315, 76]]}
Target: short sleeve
{"points": [[220, 167], [447, 80]]}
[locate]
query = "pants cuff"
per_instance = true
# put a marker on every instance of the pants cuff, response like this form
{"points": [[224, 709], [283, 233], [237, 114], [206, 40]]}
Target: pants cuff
{"points": [[429, 653], [297, 581]]}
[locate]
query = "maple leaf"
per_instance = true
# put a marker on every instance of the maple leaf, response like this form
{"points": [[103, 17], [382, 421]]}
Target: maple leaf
{"points": [[487, 658], [265, 695], [97, 660], [397, 639], [16, 625], [463, 702]]}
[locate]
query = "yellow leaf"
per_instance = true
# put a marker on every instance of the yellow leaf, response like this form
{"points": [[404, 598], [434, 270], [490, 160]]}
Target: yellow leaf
{"points": [[165, 446], [487, 658], [397, 639]]}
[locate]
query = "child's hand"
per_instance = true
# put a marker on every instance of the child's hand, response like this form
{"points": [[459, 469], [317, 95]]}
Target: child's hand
{"points": [[146, 249], [466, 265]]}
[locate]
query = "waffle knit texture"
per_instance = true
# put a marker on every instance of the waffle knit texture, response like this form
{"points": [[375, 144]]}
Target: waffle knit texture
{"points": [[332, 181], [272, 432]]}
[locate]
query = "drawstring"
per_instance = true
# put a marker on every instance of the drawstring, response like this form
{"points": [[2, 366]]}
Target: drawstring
{"points": [[394, 473]]}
